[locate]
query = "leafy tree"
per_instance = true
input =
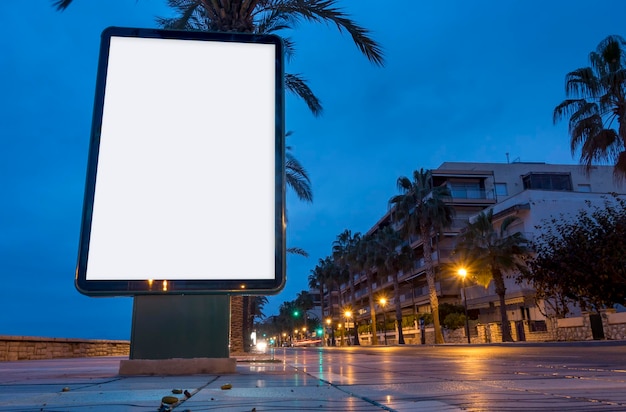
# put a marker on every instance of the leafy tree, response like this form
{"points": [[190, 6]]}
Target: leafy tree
{"points": [[421, 210], [581, 259], [596, 106], [493, 251]]}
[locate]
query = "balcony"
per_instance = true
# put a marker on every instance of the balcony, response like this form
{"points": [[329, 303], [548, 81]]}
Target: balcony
{"points": [[472, 196]]}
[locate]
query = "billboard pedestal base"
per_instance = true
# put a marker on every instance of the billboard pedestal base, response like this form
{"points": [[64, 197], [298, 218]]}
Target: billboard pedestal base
{"points": [[194, 366], [180, 328]]}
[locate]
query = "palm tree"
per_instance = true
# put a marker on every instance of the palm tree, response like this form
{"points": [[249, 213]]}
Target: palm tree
{"points": [[326, 275], [267, 17], [492, 252], [345, 254], [304, 301], [317, 280], [366, 263], [421, 210], [393, 255], [596, 106]]}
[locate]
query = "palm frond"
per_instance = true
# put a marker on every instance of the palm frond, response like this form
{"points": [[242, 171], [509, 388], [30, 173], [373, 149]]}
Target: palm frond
{"points": [[297, 251], [297, 85], [61, 4], [326, 11], [298, 179]]}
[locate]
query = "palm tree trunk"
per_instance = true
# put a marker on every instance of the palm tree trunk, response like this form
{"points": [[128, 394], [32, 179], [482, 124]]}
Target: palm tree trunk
{"points": [[432, 287], [236, 324], [372, 310], [352, 292], [396, 297], [504, 318]]}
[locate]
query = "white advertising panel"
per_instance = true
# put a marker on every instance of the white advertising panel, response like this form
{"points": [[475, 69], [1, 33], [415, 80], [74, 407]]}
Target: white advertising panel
{"points": [[185, 182]]}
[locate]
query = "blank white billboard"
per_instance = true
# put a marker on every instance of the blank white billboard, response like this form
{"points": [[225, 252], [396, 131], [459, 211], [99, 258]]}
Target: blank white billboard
{"points": [[185, 181]]}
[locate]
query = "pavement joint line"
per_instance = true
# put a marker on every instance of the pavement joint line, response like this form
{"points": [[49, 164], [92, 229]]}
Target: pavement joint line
{"points": [[557, 395], [193, 392], [363, 398]]}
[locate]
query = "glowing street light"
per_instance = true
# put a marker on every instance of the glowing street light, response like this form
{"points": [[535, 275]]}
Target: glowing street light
{"points": [[463, 273], [383, 302], [331, 340], [347, 315]]}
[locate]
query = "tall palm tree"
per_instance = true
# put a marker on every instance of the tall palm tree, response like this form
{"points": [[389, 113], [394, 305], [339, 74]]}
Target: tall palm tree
{"points": [[492, 252], [317, 280], [267, 17], [393, 255], [345, 253], [596, 106], [367, 264], [421, 210], [332, 277], [304, 301]]}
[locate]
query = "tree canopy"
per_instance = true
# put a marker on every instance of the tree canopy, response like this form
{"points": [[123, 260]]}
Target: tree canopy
{"points": [[581, 259]]}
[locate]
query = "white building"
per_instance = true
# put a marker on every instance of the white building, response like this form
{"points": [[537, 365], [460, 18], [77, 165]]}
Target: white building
{"points": [[532, 191]]}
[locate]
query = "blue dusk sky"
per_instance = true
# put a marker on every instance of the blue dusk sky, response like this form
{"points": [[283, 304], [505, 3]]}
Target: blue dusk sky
{"points": [[466, 81]]}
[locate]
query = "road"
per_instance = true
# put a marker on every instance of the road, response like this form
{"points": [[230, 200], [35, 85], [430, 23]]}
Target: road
{"points": [[518, 377]]}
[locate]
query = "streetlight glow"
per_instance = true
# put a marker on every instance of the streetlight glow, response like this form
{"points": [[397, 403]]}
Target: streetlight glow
{"points": [[463, 273], [383, 302]]}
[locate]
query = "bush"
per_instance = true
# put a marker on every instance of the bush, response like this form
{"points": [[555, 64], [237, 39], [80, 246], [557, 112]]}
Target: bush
{"points": [[454, 321], [447, 308]]}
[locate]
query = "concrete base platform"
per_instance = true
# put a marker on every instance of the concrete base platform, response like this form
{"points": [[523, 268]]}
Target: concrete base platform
{"points": [[178, 366]]}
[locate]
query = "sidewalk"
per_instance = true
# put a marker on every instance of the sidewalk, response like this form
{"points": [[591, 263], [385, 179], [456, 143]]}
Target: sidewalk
{"points": [[92, 384]]}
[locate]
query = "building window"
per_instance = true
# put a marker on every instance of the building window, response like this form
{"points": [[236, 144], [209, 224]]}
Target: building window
{"points": [[547, 181], [466, 190], [584, 188], [501, 189]]}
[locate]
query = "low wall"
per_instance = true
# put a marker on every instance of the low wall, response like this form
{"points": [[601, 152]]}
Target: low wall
{"points": [[13, 348]]}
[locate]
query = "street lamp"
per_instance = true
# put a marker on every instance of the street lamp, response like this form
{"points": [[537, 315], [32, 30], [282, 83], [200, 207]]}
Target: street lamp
{"points": [[463, 273], [383, 302], [347, 315], [331, 339]]}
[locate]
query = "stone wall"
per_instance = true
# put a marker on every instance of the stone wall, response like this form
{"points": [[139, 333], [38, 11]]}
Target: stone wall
{"points": [[614, 324], [574, 329], [13, 348]]}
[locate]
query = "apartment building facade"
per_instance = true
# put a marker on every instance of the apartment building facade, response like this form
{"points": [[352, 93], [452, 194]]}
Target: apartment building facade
{"points": [[533, 192]]}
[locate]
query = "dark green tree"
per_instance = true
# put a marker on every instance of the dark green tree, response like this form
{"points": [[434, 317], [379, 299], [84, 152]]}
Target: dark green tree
{"points": [[596, 106], [581, 259]]}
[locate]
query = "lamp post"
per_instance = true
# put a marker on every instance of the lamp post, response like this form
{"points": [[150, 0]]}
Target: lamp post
{"points": [[463, 273], [331, 337], [383, 302], [347, 315]]}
